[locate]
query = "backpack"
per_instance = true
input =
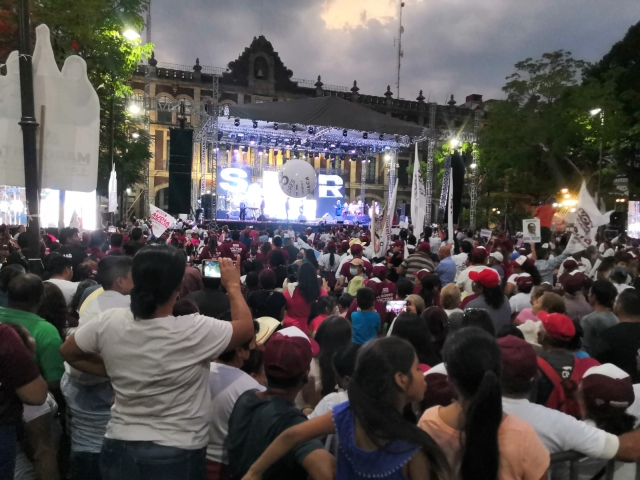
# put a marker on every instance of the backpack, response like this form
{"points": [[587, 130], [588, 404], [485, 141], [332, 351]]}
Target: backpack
{"points": [[564, 394]]}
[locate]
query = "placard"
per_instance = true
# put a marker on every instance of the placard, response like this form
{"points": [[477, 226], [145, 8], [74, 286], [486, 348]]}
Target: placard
{"points": [[485, 232], [160, 221], [531, 232]]}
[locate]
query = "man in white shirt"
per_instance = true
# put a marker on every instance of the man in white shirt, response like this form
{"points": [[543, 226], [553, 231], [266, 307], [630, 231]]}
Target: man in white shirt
{"points": [[61, 270], [114, 274], [559, 432], [478, 262], [226, 383], [461, 258]]}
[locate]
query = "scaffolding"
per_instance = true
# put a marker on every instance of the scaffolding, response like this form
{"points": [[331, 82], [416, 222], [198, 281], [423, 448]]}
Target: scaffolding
{"points": [[430, 153], [474, 179]]}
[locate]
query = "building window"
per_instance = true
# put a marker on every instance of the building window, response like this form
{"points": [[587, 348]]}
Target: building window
{"points": [[371, 171], [403, 176], [164, 110]]}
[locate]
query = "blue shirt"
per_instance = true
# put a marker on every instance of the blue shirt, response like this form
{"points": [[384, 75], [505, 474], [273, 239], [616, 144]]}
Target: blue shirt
{"points": [[366, 326], [447, 271]]}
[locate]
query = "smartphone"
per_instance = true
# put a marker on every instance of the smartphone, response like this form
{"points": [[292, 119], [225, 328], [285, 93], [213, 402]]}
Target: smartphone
{"points": [[396, 306], [211, 268]]}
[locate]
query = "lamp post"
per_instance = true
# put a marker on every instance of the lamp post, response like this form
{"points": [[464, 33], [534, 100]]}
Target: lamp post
{"points": [[593, 113], [29, 126]]}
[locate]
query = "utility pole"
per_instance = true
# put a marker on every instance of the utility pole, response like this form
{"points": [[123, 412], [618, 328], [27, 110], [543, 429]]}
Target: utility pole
{"points": [[400, 52], [29, 127]]}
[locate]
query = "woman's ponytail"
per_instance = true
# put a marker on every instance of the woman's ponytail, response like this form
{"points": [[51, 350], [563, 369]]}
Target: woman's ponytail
{"points": [[481, 457]]}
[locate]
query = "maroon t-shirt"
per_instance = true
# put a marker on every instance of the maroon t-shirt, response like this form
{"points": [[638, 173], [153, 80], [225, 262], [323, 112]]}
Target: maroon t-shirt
{"points": [[284, 252], [206, 254], [384, 291], [234, 248], [344, 271], [17, 369]]}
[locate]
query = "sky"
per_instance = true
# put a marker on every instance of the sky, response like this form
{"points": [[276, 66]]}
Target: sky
{"points": [[454, 47]]}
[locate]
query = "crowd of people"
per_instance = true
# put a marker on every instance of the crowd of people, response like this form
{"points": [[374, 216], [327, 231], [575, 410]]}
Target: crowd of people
{"points": [[316, 354]]}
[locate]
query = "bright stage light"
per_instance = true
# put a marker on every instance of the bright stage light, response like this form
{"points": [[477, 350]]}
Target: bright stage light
{"points": [[573, 210], [565, 190], [567, 195], [474, 165], [134, 109], [387, 157], [135, 135], [595, 112], [128, 191], [454, 142], [131, 35]]}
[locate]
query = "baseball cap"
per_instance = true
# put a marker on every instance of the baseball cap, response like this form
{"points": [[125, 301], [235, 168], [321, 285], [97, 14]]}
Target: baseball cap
{"points": [[487, 277], [424, 247], [356, 248], [397, 243], [287, 354], [558, 325], [524, 281], [572, 282], [479, 254], [570, 264], [439, 390], [498, 256], [519, 361], [354, 241], [607, 386], [379, 270], [420, 274]]}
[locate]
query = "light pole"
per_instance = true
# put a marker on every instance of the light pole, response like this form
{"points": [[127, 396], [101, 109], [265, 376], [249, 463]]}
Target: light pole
{"points": [[29, 126], [593, 113]]}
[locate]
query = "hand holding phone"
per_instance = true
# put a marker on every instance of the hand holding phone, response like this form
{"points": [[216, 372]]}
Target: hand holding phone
{"points": [[396, 306]]}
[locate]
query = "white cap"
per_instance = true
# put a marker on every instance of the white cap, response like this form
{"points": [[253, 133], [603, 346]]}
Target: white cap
{"points": [[608, 370], [498, 256], [440, 368]]}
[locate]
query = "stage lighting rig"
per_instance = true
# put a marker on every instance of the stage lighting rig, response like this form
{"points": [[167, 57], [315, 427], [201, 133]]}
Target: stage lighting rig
{"points": [[345, 132], [220, 135], [311, 130], [381, 137], [236, 122], [293, 128], [275, 126], [255, 124], [365, 135]]}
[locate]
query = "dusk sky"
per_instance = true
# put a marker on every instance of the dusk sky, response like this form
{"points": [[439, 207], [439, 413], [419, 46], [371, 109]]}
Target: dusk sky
{"points": [[450, 46]]}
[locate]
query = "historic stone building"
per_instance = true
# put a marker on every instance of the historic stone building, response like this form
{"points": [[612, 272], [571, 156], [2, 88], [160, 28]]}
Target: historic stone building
{"points": [[259, 75]]}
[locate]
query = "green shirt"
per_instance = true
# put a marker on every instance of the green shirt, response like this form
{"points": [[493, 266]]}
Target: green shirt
{"points": [[47, 339]]}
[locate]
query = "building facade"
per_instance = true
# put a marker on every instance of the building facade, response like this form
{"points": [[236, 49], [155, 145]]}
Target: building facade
{"points": [[173, 92]]}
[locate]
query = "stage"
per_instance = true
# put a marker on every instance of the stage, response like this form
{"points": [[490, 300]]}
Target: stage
{"points": [[273, 225], [252, 216]]}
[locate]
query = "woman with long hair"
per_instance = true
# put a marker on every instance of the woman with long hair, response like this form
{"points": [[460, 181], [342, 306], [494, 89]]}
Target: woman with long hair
{"points": [[320, 311], [54, 308], [329, 263], [278, 264], [414, 330], [490, 297], [477, 438], [300, 295], [159, 420], [334, 333], [212, 250], [375, 439]]}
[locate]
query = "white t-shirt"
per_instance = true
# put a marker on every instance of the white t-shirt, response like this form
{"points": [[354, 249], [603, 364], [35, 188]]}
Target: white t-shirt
{"points": [[324, 262], [226, 384], [68, 288], [520, 301], [102, 303], [463, 281], [560, 432], [159, 371], [327, 403], [460, 261]]}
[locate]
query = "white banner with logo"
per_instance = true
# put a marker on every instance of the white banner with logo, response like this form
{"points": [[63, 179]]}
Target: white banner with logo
{"points": [[160, 221], [388, 219], [588, 219], [418, 195]]}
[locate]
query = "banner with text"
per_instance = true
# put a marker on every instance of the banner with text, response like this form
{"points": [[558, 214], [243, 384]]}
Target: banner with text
{"points": [[160, 221]]}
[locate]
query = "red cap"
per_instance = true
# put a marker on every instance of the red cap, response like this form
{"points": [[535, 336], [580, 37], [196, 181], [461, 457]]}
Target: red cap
{"points": [[557, 325], [519, 362], [420, 274], [397, 243], [424, 247], [356, 248], [487, 277], [287, 357]]}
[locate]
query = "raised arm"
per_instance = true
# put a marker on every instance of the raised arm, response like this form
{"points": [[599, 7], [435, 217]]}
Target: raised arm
{"points": [[242, 320], [288, 440]]}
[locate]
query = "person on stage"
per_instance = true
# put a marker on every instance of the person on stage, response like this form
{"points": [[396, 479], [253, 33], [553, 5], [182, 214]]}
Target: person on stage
{"points": [[243, 211], [262, 205], [286, 207], [339, 209]]}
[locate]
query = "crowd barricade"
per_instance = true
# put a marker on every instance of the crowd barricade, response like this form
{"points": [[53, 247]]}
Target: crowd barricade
{"points": [[573, 459]]}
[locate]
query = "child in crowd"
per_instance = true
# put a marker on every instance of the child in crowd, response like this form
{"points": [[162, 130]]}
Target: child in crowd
{"points": [[344, 303], [531, 313], [366, 321], [375, 440]]}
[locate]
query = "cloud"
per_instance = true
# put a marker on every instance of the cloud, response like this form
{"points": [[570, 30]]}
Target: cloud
{"points": [[450, 46]]}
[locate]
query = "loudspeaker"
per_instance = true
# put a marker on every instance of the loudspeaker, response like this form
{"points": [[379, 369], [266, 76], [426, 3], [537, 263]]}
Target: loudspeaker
{"points": [[328, 218], [208, 205], [180, 165], [262, 218]]}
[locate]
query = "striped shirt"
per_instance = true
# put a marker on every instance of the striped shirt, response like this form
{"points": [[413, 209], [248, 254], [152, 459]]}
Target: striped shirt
{"points": [[416, 262]]}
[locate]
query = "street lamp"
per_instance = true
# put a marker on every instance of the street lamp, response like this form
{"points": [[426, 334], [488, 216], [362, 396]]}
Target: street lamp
{"points": [[135, 135], [134, 109], [454, 142], [131, 35], [593, 113]]}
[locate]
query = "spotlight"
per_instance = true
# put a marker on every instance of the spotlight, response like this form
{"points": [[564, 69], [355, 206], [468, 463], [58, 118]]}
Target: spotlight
{"points": [[236, 122], [235, 149], [227, 146], [220, 135], [275, 126], [293, 128], [381, 137], [240, 135], [365, 135], [260, 152], [135, 135], [342, 157], [344, 132], [454, 142], [387, 157], [134, 109], [252, 140], [255, 124], [311, 130], [474, 165], [565, 190]]}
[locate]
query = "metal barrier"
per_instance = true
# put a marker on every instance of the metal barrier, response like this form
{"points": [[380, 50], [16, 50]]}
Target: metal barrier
{"points": [[572, 458]]}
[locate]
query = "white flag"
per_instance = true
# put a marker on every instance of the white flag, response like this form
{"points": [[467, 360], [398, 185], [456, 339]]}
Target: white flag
{"points": [[450, 207], [113, 190], [418, 196], [588, 219], [388, 218], [160, 221]]}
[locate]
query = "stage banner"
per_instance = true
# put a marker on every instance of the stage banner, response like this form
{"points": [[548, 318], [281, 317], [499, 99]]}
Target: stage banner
{"points": [[450, 217], [160, 221], [418, 196], [329, 190], [446, 183], [232, 186], [388, 219], [588, 219]]}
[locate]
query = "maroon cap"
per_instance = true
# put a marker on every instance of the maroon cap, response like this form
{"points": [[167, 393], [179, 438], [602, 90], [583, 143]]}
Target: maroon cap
{"points": [[287, 357], [570, 264], [379, 271], [487, 277], [524, 281], [356, 248], [519, 362], [397, 243], [607, 387], [557, 325], [479, 254], [344, 245], [420, 274], [572, 282], [424, 247]]}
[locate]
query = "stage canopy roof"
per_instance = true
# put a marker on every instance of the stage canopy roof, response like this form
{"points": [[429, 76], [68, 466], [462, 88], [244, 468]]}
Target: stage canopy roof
{"points": [[330, 112]]}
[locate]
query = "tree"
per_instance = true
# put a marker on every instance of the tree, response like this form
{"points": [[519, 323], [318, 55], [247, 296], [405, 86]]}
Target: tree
{"points": [[93, 30]]}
